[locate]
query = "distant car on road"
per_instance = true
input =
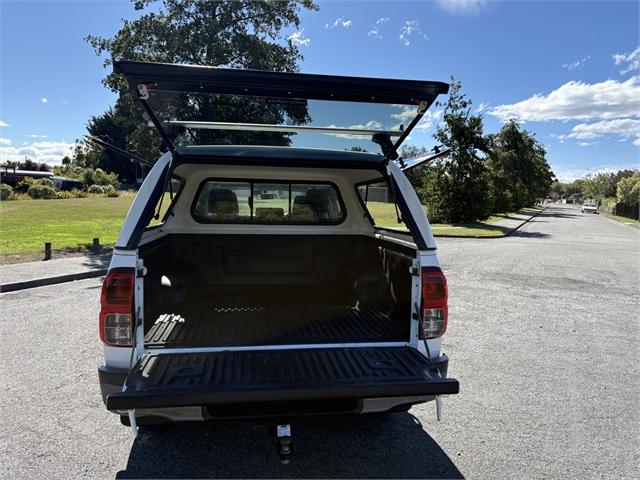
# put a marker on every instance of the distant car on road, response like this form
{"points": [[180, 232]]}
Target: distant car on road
{"points": [[589, 208]]}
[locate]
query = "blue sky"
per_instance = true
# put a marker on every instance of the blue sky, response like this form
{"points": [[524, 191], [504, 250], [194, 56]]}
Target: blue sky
{"points": [[568, 70]]}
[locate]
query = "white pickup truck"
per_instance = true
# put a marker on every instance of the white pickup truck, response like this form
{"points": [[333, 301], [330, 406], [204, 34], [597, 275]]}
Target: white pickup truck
{"points": [[267, 290]]}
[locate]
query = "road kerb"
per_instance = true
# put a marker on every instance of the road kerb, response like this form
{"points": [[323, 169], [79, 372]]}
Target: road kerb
{"points": [[504, 235], [42, 282]]}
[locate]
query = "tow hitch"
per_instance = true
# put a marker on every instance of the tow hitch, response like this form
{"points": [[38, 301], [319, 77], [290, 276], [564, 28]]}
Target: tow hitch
{"points": [[283, 435]]}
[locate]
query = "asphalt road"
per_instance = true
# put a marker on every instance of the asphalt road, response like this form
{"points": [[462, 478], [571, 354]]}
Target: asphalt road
{"points": [[544, 337]]}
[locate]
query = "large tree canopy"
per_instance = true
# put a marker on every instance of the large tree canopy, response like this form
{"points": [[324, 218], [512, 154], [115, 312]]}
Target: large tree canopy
{"points": [[456, 188], [520, 173], [238, 34]]}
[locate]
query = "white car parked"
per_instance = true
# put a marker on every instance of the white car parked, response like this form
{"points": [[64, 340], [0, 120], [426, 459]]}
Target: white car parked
{"points": [[267, 290], [589, 208]]}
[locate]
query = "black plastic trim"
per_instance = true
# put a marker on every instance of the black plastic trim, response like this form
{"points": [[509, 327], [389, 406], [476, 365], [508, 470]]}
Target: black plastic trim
{"points": [[111, 380], [208, 79], [196, 159], [223, 378]]}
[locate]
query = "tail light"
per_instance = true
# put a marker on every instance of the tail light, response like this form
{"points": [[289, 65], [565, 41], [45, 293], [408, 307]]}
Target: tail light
{"points": [[434, 303], [117, 308]]}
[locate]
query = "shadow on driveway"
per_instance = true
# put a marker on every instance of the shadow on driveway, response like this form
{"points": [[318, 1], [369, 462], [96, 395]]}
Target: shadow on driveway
{"points": [[392, 446]]}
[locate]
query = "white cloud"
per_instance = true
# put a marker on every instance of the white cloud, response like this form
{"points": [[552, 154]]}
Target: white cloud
{"points": [[35, 135], [570, 175], [370, 125], [5, 141], [622, 127], [43, 152], [586, 144], [577, 64], [44, 99], [409, 29], [577, 101], [64, 102], [629, 61], [375, 30], [408, 113], [462, 7], [482, 107], [3, 124], [298, 38], [339, 23]]}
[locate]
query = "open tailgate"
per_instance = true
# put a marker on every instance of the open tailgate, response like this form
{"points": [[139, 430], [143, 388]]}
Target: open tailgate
{"points": [[217, 378]]}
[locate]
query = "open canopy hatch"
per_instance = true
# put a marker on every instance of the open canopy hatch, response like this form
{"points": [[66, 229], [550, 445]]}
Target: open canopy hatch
{"points": [[191, 104]]}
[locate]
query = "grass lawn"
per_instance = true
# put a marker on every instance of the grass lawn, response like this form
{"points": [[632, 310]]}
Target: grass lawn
{"points": [[72, 223], [628, 221], [385, 216]]}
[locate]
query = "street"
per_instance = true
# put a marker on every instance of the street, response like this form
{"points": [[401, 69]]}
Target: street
{"points": [[544, 337]]}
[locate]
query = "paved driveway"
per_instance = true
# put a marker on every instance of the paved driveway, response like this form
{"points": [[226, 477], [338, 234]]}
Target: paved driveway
{"points": [[544, 338]]}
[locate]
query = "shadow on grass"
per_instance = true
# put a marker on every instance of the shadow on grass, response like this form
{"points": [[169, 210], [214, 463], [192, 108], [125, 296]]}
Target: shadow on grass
{"points": [[392, 446]]}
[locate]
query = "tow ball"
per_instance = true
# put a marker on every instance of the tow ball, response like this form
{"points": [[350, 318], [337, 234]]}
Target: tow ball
{"points": [[283, 443]]}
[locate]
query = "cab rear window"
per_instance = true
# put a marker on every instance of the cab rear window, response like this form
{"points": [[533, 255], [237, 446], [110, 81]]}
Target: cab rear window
{"points": [[268, 202]]}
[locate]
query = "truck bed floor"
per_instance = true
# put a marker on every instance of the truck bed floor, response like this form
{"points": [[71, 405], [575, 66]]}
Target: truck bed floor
{"points": [[245, 326]]}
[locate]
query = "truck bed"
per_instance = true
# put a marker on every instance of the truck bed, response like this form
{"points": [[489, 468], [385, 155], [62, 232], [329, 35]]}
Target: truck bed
{"points": [[249, 377], [249, 326]]}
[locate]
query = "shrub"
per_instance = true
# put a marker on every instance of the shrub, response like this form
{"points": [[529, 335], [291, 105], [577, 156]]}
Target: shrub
{"points": [[109, 188], [47, 182], [6, 192], [24, 184], [78, 193], [96, 189], [42, 192], [100, 177], [112, 193], [64, 194]]}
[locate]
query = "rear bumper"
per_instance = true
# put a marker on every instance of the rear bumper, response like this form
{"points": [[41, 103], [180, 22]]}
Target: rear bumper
{"points": [[111, 380], [223, 379]]}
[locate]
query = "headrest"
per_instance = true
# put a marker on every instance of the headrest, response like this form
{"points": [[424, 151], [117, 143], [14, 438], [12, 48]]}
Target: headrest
{"points": [[222, 201]]}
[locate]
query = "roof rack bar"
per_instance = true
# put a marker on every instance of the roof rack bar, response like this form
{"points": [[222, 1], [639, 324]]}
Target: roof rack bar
{"points": [[262, 127], [409, 163]]}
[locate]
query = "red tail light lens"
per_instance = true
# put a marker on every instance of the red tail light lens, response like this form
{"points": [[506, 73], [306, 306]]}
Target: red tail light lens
{"points": [[117, 307], [435, 308]]}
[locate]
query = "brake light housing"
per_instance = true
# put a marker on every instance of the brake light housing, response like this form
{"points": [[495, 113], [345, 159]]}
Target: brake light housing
{"points": [[435, 308], [117, 307]]}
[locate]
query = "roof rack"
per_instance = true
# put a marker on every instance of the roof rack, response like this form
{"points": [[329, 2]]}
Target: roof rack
{"points": [[265, 127]]}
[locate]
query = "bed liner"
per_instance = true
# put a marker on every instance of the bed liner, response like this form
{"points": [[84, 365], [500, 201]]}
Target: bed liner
{"points": [[250, 326], [228, 377]]}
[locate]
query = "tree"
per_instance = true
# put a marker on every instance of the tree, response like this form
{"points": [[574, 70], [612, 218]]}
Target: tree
{"points": [[415, 175], [628, 190], [520, 173], [456, 189], [239, 34], [600, 186]]}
